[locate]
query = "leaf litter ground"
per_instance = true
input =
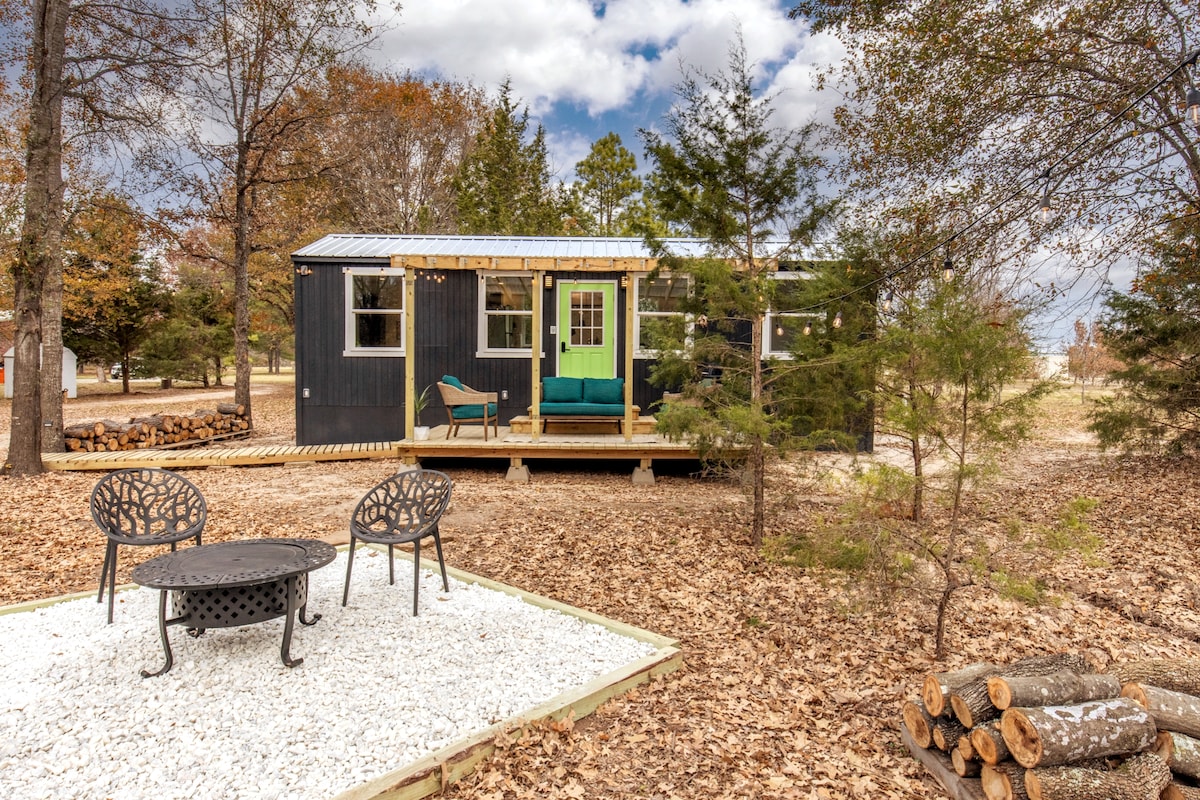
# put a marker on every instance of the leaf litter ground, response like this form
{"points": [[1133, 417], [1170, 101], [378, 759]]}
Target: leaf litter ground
{"points": [[792, 684]]}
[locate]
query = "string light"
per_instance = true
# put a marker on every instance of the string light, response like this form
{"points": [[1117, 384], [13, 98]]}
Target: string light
{"points": [[807, 328], [1193, 104], [887, 300], [1046, 196], [837, 320], [947, 266], [779, 330]]}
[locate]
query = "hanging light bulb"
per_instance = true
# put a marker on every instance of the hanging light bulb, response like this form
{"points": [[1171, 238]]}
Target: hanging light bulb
{"points": [[1193, 104], [837, 320], [887, 300], [1046, 204], [947, 269], [779, 330], [807, 328]]}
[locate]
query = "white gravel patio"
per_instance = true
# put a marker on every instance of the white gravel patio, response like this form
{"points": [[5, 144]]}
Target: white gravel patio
{"points": [[378, 689]]}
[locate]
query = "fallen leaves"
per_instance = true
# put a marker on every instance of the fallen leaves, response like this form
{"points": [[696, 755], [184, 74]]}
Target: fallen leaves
{"points": [[788, 689]]}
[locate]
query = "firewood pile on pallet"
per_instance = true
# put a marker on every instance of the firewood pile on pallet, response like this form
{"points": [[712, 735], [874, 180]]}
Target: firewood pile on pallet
{"points": [[1061, 727], [160, 430]]}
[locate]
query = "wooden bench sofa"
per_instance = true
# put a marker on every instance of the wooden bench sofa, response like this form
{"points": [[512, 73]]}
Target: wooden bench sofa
{"points": [[578, 405]]}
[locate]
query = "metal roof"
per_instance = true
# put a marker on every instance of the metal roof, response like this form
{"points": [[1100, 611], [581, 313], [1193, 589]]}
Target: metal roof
{"points": [[361, 246]]}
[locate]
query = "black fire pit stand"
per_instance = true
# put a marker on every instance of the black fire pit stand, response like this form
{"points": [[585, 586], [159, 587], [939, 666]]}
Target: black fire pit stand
{"points": [[235, 583]]}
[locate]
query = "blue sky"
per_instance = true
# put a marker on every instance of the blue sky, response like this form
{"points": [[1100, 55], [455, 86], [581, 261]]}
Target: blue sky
{"points": [[585, 68]]}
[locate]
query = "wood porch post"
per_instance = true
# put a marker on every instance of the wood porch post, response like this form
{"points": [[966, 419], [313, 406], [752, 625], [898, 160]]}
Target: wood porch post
{"points": [[410, 346], [535, 370], [630, 290]]}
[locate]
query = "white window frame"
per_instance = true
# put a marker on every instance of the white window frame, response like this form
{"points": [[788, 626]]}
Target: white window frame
{"points": [[352, 349], [638, 314], [482, 350], [772, 316]]}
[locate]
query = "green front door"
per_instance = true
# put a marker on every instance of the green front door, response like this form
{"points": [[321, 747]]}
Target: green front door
{"points": [[587, 324]]}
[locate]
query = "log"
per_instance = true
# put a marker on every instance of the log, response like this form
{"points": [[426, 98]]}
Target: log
{"points": [[966, 748], [988, 744], [1172, 711], [80, 430], [1180, 791], [971, 702], [1141, 777], [1053, 735], [1176, 674], [918, 723], [1061, 688], [1180, 751], [236, 409], [1003, 781], [935, 692], [946, 733], [964, 767]]}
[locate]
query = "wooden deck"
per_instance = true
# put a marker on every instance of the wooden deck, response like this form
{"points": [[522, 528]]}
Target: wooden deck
{"points": [[469, 444]]}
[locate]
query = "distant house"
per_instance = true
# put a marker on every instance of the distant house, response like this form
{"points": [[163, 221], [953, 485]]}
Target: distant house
{"points": [[381, 317]]}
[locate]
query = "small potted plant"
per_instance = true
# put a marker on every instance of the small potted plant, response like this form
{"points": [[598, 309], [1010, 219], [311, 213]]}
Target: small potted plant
{"points": [[420, 403]]}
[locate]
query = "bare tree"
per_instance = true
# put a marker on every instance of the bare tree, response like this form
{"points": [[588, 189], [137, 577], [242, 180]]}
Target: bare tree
{"points": [[93, 64], [248, 121]]}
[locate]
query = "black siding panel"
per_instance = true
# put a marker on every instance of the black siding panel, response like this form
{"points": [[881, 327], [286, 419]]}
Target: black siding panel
{"points": [[361, 399]]}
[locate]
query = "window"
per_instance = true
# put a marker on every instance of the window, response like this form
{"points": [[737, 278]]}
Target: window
{"points": [[506, 314], [660, 316], [374, 311], [587, 319], [783, 327]]}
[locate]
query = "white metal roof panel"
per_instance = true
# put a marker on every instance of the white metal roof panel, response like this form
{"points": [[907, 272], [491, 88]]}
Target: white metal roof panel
{"points": [[356, 246]]}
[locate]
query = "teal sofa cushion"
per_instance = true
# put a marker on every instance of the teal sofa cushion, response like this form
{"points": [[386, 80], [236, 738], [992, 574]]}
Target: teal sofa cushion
{"points": [[604, 390], [562, 390], [473, 411], [450, 380], [581, 410]]}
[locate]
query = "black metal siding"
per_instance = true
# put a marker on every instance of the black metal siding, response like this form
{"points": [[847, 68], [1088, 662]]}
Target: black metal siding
{"points": [[361, 399]]}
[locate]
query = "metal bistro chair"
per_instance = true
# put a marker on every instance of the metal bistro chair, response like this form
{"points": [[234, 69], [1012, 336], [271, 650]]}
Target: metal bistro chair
{"points": [[404, 508], [143, 507]]}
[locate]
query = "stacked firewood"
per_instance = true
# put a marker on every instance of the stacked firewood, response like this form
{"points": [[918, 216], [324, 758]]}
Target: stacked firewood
{"points": [[159, 430], [1062, 727]]}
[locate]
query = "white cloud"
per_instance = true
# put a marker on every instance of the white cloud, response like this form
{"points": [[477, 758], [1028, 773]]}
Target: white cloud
{"points": [[561, 51]]}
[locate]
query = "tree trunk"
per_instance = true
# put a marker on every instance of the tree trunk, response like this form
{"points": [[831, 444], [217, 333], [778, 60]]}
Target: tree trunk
{"points": [[1003, 781], [1061, 688], [1054, 735], [1142, 777], [989, 743], [1176, 674], [935, 692], [757, 448], [52, 353], [243, 214], [41, 232], [1172, 711]]}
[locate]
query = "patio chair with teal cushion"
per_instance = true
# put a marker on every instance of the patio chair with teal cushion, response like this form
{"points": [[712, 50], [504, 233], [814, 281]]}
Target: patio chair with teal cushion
{"points": [[464, 404]]}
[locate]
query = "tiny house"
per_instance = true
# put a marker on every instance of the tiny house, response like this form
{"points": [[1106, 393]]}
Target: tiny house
{"points": [[380, 318]]}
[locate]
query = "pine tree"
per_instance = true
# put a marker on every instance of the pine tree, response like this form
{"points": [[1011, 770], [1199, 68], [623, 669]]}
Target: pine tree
{"points": [[729, 177], [609, 182], [504, 186]]}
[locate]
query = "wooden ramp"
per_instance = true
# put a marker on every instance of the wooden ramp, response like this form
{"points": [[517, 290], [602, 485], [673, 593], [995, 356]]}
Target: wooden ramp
{"points": [[516, 447], [218, 457]]}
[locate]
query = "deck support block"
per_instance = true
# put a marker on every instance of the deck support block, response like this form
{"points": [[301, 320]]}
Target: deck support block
{"points": [[517, 472], [642, 474]]}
